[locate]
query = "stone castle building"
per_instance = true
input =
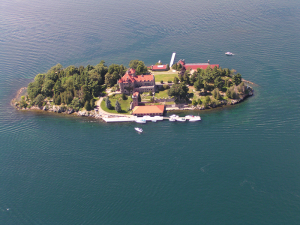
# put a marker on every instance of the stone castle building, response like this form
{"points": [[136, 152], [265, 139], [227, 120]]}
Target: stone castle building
{"points": [[131, 83]]}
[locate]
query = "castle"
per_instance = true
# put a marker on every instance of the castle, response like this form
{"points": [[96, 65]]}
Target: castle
{"points": [[131, 83]]}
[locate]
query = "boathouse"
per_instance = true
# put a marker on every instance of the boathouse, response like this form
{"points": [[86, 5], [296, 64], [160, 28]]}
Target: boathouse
{"points": [[160, 67], [149, 110], [194, 66]]}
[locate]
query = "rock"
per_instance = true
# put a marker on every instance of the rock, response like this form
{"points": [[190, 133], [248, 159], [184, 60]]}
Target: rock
{"points": [[70, 111], [59, 110], [45, 108]]}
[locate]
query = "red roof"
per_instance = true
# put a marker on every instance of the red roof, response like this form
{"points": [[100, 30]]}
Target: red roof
{"points": [[195, 66], [159, 67], [148, 109], [129, 77], [135, 94]]}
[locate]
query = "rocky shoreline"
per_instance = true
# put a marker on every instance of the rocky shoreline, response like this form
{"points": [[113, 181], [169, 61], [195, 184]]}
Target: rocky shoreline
{"points": [[96, 113]]}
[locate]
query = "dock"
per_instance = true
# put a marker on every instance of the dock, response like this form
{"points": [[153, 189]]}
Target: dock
{"points": [[134, 118]]}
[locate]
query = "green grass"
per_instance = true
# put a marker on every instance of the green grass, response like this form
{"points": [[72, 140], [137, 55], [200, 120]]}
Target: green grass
{"points": [[162, 94], [165, 77], [125, 104]]}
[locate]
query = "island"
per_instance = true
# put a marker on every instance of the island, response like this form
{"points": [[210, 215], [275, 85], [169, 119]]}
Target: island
{"points": [[115, 90]]}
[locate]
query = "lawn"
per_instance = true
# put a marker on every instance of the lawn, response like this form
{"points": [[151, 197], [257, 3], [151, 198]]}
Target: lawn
{"points": [[125, 104], [162, 94], [165, 77]]}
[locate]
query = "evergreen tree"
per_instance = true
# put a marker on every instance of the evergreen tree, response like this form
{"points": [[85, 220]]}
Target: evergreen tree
{"points": [[228, 93], [108, 103], [92, 103], [176, 80], [118, 106], [87, 106]]}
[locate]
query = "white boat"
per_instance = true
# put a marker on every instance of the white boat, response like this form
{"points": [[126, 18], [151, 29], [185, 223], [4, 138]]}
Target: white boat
{"points": [[174, 116], [181, 119], [172, 119], [154, 121], [140, 121], [195, 118], [229, 53], [138, 129]]}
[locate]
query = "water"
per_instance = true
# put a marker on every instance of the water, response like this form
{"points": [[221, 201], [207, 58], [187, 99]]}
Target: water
{"points": [[240, 165]]}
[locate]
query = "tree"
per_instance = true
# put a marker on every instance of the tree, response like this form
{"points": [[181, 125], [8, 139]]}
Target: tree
{"points": [[139, 66], [207, 99], [237, 79], [216, 94], [124, 97], [218, 82], [178, 90], [75, 104], [92, 103], [47, 88], [194, 102], [38, 101], [228, 93], [198, 85], [87, 106], [118, 106], [108, 103], [176, 80]]}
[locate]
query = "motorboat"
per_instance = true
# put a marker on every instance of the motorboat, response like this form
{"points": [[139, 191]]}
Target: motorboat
{"points": [[174, 116], [229, 53], [194, 118], [181, 119], [140, 121], [172, 119], [138, 129]]}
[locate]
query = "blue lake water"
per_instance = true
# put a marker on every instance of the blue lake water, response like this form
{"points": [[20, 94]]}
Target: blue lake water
{"points": [[240, 165]]}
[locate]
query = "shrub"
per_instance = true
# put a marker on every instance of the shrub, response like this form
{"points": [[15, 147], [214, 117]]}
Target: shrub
{"points": [[166, 86], [194, 102], [169, 81], [124, 97], [161, 81]]}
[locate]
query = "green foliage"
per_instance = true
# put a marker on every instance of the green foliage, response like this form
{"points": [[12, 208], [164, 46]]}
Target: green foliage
{"points": [[150, 93], [87, 106], [161, 81], [216, 94], [108, 103], [178, 90], [139, 66], [194, 102], [176, 80], [92, 103], [237, 79], [75, 104], [165, 86], [23, 104], [38, 101], [124, 97], [198, 85], [118, 106], [199, 101], [218, 82], [207, 99]]}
